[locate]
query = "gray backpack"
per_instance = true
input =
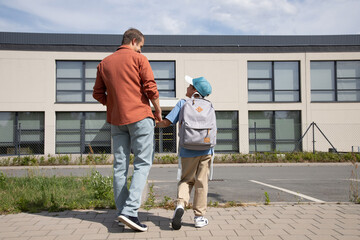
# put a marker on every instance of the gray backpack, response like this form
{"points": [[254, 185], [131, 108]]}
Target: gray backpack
{"points": [[197, 124]]}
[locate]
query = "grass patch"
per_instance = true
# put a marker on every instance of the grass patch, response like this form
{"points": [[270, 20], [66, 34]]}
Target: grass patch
{"points": [[38, 193], [172, 158]]}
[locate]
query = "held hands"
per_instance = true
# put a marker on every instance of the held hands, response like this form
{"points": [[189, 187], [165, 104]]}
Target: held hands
{"points": [[162, 124]]}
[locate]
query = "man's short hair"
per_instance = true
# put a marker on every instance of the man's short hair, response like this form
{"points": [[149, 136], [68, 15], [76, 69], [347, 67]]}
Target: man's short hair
{"points": [[130, 34]]}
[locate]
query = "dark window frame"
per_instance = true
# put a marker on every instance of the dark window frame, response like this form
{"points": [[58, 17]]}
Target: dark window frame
{"points": [[82, 132], [272, 79], [272, 130], [19, 144], [237, 150], [162, 79], [83, 79], [335, 90]]}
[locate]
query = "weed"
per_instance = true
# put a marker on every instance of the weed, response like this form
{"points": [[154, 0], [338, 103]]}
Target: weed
{"points": [[2, 179], [150, 201], [101, 185], [354, 183], [213, 204], [267, 198]]}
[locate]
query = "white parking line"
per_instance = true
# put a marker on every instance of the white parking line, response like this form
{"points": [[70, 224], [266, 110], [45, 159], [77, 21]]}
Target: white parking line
{"points": [[353, 180], [288, 191]]}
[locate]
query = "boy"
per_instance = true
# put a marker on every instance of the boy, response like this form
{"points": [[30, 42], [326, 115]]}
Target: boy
{"points": [[194, 163]]}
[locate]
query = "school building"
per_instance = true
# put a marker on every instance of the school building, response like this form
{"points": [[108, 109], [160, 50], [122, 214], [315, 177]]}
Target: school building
{"points": [[271, 93]]}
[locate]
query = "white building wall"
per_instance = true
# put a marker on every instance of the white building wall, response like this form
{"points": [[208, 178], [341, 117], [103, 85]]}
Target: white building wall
{"points": [[28, 80]]}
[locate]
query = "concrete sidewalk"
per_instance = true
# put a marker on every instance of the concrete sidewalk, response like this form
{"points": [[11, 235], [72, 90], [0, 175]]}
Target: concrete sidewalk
{"points": [[275, 221]]}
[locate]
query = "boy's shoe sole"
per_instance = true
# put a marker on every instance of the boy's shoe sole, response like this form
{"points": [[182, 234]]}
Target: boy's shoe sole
{"points": [[131, 224], [120, 224], [176, 221]]}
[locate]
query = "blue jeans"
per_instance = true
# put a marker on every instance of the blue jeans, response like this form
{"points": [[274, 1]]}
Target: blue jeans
{"points": [[137, 137]]}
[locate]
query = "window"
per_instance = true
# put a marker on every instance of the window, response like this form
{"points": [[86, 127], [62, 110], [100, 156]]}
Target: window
{"points": [[273, 82], [75, 81], [335, 81], [82, 132], [165, 138], [164, 74], [21, 133], [227, 138], [274, 131]]}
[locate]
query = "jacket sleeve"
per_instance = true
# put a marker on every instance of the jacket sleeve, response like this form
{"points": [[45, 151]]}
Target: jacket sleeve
{"points": [[147, 78], [99, 90]]}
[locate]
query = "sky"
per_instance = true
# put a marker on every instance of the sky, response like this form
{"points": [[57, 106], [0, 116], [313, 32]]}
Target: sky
{"points": [[182, 17]]}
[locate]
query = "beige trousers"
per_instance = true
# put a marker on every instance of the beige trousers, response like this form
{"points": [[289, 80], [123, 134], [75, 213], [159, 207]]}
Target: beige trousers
{"points": [[194, 173]]}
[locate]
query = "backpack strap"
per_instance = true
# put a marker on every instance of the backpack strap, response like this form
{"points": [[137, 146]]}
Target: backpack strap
{"points": [[196, 93], [178, 176], [212, 165]]}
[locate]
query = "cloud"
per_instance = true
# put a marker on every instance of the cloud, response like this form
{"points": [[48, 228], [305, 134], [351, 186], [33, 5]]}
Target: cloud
{"points": [[266, 17]]}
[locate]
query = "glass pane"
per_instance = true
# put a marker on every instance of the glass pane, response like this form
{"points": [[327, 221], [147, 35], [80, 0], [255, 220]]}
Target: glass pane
{"points": [[259, 70], [68, 120], [260, 133], [287, 125], [225, 135], [31, 120], [7, 122], [260, 84], [224, 123], [68, 136], [89, 84], [163, 69], [348, 69], [322, 96], [167, 94], [285, 147], [73, 148], [322, 75], [89, 97], [165, 84], [96, 120], [260, 147], [90, 69], [344, 96], [286, 75], [260, 96], [97, 137], [69, 96], [226, 120], [286, 96], [348, 84], [262, 119], [67, 69], [31, 136], [69, 84]]}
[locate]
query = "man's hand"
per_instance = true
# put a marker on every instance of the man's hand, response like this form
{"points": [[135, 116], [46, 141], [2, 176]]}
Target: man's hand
{"points": [[158, 113], [158, 116]]}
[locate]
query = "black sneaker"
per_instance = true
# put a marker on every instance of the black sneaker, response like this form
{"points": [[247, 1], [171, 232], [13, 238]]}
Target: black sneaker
{"points": [[176, 221], [133, 223]]}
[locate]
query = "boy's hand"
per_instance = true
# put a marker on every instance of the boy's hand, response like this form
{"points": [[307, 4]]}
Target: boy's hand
{"points": [[162, 124]]}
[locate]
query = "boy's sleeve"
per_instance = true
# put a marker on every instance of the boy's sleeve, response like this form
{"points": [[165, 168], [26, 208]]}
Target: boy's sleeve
{"points": [[173, 116]]}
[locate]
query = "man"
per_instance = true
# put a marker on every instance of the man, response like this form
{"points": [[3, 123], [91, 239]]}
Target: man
{"points": [[125, 84]]}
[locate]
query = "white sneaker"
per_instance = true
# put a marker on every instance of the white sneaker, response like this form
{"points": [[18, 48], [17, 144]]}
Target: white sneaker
{"points": [[176, 220], [200, 222], [119, 223]]}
